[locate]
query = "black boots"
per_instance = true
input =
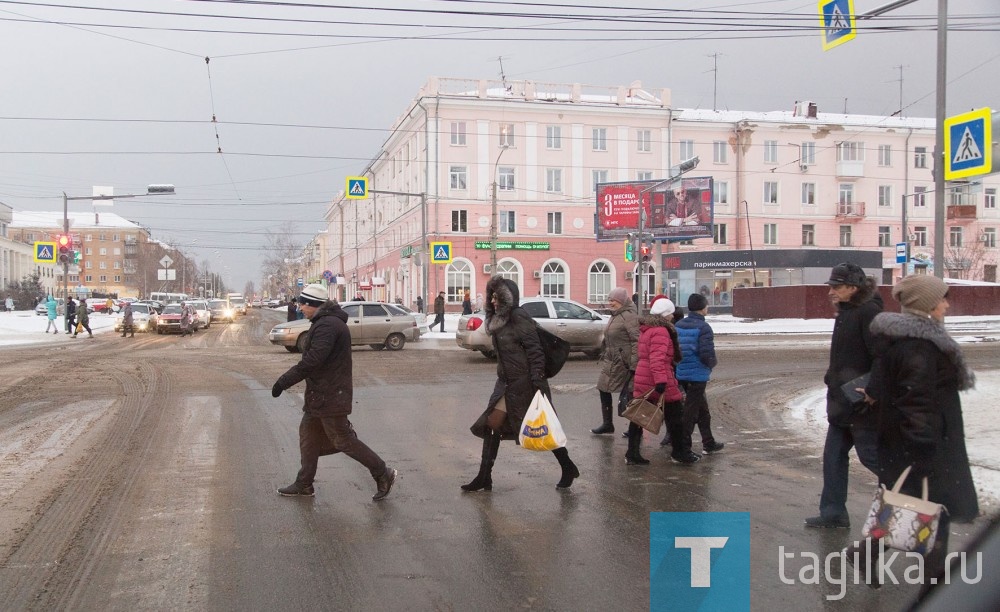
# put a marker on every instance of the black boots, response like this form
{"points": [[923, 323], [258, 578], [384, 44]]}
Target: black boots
{"points": [[632, 456], [484, 479], [569, 469], [607, 426]]}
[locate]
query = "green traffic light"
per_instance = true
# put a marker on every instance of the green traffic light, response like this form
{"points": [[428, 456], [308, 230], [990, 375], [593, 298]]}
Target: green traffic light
{"points": [[629, 251]]}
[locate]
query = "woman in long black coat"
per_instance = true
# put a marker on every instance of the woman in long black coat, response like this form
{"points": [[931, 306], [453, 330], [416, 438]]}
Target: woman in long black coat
{"points": [[520, 373], [918, 374]]}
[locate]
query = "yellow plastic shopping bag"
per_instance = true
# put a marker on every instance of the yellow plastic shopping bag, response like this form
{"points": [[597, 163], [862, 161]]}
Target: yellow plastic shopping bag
{"points": [[540, 429]]}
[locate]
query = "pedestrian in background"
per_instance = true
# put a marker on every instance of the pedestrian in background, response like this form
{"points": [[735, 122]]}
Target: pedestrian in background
{"points": [[420, 305], [128, 322], [186, 317], [52, 310], [82, 320], [327, 369], [520, 374], [439, 311], [109, 306], [467, 303], [916, 381], [70, 315], [293, 312], [619, 357], [9, 304], [697, 342], [852, 352]]}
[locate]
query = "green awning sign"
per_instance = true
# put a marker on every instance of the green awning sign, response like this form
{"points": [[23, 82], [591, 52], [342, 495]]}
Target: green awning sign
{"points": [[513, 245]]}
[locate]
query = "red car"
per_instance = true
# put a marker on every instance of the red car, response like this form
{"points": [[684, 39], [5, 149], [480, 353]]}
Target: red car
{"points": [[169, 321]]}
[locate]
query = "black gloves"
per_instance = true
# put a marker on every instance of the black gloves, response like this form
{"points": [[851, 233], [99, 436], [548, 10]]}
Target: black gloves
{"points": [[543, 386], [276, 390], [661, 387]]}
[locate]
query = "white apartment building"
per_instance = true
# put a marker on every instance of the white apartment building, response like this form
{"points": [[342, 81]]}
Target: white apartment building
{"points": [[795, 192]]}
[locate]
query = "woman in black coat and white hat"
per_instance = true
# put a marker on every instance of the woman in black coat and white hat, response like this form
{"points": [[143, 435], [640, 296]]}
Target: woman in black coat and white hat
{"points": [[520, 373], [918, 374]]}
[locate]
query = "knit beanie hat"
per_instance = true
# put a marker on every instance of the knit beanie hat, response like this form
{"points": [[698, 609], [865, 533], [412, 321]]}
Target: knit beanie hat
{"points": [[619, 295], [696, 302], [314, 295], [919, 293], [662, 306]]}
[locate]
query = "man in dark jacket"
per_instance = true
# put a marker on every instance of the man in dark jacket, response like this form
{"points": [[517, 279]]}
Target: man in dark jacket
{"points": [[326, 368], [697, 342], [70, 315], [438, 312], [852, 353]]}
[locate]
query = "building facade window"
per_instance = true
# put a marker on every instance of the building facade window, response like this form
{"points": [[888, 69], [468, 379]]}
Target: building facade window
{"points": [[509, 270], [850, 151], [807, 153], [644, 175], [458, 133], [553, 137], [808, 235], [103, 278], [955, 237], [845, 193], [600, 283], [458, 281], [885, 195], [555, 222], [770, 233], [459, 221], [506, 135], [770, 192], [990, 197], [845, 236], [919, 197], [920, 236], [919, 157], [809, 194], [719, 234], [770, 151], [118, 279], [884, 156], [990, 237], [505, 178], [102, 251], [884, 236], [720, 152], [458, 177], [553, 180], [599, 139], [643, 141], [599, 176], [685, 149], [553, 280], [507, 222], [721, 193]]}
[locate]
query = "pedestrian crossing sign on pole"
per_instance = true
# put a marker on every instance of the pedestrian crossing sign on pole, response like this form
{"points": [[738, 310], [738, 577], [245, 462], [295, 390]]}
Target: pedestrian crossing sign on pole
{"points": [[45, 252], [441, 252], [836, 19], [357, 188], [968, 144]]}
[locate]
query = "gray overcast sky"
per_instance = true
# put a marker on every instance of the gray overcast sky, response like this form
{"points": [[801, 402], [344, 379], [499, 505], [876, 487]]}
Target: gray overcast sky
{"points": [[84, 103]]}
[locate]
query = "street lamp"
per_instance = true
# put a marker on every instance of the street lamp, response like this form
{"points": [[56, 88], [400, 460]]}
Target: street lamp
{"points": [[151, 190], [494, 223]]}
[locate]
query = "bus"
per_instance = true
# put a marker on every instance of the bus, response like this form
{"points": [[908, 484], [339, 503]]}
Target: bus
{"points": [[168, 298]]}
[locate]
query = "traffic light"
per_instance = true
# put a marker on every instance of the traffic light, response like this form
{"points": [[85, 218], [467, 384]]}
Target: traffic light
{"points": [[77, 256], [629, 251], [645, 250], [63, 243]]}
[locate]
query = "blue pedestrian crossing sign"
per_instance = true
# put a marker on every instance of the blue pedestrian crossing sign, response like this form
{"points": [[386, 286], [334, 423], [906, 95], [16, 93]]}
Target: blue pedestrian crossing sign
{"points": [[357, 188], [45, 252], [968, 142], [441, 252], [836, 18]]}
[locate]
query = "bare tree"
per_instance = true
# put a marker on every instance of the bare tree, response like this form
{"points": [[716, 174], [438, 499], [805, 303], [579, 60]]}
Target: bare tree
{"points": [[283, 260], [966, 261]]}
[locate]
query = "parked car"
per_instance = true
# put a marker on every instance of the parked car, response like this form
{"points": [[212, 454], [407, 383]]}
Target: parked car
{"points": [[169, 321], [273, 303], [419, 316], [378, 325], [581, 326], [221, 311], [203, 312], [97, 304], [42, 311], [143, 317], [256, 304]]}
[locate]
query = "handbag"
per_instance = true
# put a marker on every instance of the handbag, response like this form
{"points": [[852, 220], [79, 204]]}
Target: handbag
{"points": [[848, 389], [555, 348], [645, 413], [901, 521], [541, 429]]}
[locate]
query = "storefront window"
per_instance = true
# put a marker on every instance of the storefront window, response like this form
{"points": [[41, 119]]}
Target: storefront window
{"points": [[600, 283], [553, 280]]}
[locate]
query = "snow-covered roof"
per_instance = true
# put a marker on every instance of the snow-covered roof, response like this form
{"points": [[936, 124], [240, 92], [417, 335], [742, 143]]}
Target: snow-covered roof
{"points": [[77, 220], [788, 116]]}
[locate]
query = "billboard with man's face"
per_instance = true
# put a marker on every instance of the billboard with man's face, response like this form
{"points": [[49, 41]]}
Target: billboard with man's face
{"points": [[680, 211]]}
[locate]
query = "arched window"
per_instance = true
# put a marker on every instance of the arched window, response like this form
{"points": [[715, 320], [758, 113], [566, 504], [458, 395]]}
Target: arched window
{"points": [[553, 280], [509, 270], [648, 283], [601, 282], [459, 279]]}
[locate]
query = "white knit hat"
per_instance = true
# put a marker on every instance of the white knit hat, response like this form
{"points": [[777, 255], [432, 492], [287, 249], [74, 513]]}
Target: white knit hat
{"points": [[662, 306], [314, 295]]}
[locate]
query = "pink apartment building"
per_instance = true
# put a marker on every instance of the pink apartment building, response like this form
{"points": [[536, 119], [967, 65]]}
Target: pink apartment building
{"points": [[795, 192]]}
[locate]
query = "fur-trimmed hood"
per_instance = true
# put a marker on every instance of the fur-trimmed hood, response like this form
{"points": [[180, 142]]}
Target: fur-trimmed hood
{"points": [[508, 297], [896, 326]]}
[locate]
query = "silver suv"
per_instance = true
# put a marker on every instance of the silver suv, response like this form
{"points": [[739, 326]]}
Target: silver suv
{"points": [[579, 325]]}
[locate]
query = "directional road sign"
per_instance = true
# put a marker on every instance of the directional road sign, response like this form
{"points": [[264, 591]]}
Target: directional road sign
{"points": [[836, 18], [441, 252], [968, 142], [45, 252], [357, 188]]}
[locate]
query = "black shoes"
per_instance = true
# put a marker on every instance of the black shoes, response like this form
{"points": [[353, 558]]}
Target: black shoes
{"points": [[687, 459], [480, 483], [606, 428], [714, 447], [818, 522], [384, 484], [636, 459], [569, 473], [297, 489]]}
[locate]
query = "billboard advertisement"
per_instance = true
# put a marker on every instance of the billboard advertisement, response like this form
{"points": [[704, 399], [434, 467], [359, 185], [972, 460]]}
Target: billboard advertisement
{"points": [[682, 210]]}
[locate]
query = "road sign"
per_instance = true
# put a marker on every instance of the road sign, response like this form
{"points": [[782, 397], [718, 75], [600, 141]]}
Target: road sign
{"points": [[901, 253], [357, 188], [441, 252], [836, 18], [166, 261], [300, 282], [45, 252], [968, 142]]}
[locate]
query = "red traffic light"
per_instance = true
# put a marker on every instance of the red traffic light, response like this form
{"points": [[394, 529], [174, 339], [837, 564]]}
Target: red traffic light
{"points": [[63, 240], [645, 250]]}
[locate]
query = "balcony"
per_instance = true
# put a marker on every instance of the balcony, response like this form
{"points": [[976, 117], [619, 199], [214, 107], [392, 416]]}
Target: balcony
{"points": [[961, 212], [850, 169], [850, 211]]}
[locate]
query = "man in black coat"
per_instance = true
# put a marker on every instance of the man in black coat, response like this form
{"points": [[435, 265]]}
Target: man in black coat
{"points": [[293, 311], [326, 368], [852, 352], [438, 312]]}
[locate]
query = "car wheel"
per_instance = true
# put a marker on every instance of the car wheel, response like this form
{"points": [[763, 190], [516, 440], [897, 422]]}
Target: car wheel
{"points": [[489, 354], [377, 347], [395, 342], [300, 344], [292, 349]]}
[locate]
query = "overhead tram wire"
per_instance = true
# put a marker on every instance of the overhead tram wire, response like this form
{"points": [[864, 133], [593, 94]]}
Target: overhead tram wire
{"points": [[215, 126]]}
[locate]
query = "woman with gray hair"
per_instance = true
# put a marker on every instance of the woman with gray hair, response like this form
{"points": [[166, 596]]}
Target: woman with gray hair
{"points": [[620, 354]]}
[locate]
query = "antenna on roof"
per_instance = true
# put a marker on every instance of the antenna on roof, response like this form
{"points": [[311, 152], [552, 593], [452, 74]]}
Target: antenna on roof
{"points": [[503, 77]]}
